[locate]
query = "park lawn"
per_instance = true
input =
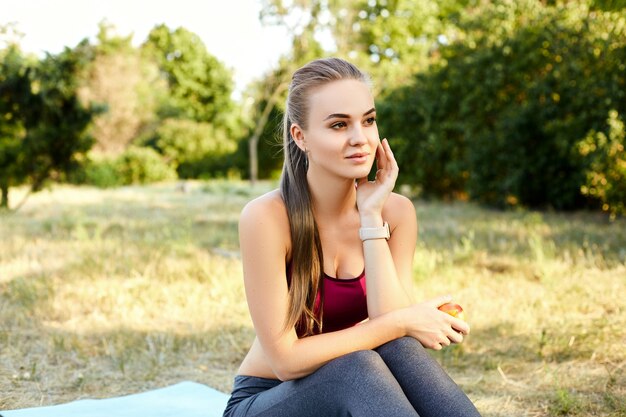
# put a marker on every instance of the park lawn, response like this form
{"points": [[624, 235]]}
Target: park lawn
{"points": [[111, 292]]}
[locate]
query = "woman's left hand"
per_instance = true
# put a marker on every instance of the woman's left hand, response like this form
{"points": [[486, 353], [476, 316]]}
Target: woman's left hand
{"points": [[372, 195]]}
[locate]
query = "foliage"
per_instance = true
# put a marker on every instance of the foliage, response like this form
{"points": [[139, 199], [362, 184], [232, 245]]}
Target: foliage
{"points": [[193, 148], [49, 131], [136, 165], [263, 149], [606, 172], [200, 86], [199, 123], [14, 95], [393, 40], [141, 165], [101, 172], [269, 146], [126, 82], [497, 118]]}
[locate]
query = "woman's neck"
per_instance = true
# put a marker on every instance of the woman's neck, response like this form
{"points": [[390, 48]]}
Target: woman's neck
{"points": [[333, 198]]}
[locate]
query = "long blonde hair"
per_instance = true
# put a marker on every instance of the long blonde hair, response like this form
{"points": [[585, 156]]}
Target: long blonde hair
{"points": [[306, 255]]}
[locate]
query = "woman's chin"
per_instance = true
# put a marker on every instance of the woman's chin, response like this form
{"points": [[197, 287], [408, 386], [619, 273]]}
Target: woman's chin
{"points": [[358, 174]]}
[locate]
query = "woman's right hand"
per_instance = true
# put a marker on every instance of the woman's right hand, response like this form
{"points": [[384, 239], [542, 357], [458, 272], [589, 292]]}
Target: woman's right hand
{"points": [[434, 329], [372, 195]]}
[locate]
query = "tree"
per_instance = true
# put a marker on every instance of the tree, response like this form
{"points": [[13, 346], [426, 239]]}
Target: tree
{"points": [[118, 76], [200, 86], [199, 91], [15, 94], [606, 172], [395, 39], [193, 148], [271, 90], [47, 132], [498, 117]]}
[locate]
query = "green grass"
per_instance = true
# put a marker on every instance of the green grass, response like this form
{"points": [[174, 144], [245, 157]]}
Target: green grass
{"points": [[109, 292]]}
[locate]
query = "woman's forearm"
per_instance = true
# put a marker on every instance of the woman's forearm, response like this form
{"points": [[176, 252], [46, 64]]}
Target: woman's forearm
{"points": [[308, 354], [385, 292]]}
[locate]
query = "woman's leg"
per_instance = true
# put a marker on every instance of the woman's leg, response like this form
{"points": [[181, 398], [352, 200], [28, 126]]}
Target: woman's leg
{"points": [[427, 386], [358, 384]]}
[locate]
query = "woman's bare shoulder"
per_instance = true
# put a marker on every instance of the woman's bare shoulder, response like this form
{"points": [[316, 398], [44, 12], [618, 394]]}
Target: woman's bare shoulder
{"points": [[398, 209], [269, 204], [266, 215], [398, 202], [265, 220]]}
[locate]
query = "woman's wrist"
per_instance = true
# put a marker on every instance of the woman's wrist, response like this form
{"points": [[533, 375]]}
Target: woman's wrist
{"points": [[399, 322], [371, 220]]}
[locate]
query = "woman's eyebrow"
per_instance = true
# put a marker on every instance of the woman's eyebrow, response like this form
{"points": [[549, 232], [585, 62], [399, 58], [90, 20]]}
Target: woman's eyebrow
{"points": [[347, 116]]}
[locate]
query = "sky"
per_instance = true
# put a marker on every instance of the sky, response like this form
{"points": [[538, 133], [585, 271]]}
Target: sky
{"points": [[230, 29]]}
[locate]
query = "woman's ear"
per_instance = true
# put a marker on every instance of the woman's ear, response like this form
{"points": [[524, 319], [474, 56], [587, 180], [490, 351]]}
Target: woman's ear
{"points": [[298, 136]]}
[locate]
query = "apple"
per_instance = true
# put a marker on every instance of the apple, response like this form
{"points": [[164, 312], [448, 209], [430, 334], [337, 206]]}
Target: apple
{"points": [[453, 309]]}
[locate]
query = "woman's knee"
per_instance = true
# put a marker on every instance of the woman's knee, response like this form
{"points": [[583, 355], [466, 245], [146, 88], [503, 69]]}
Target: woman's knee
{"points": [[402, 343], [359, 362], [403, 347], [360, 359], [364, 385]]}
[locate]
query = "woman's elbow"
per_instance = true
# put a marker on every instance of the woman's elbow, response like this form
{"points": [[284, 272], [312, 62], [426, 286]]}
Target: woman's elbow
{"points": [[288, 361], [287, 370], [284, 374]]}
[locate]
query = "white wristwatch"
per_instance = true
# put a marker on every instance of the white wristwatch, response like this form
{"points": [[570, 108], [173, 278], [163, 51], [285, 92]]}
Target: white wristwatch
{"points": [[367, 233]]}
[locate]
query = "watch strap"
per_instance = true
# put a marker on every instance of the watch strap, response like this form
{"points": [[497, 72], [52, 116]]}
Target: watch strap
{"points": [[367, 233]]}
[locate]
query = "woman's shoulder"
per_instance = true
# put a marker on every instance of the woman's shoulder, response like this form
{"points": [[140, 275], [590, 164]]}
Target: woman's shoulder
{"points": [[270, 203], [265, 220], [397, 202], [266, 214], [398, 208]]}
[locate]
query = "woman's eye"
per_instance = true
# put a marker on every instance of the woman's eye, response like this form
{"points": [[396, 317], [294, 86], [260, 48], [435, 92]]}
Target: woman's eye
{"points": [[370, 121], [338, 125]]}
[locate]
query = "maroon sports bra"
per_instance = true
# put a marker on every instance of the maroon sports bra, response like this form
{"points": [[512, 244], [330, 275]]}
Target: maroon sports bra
{"points": [[345, 303]]}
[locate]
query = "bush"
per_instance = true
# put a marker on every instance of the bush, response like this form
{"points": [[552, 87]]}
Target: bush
{"points": [[140, 165], [102, 173], [196, 149], [498, 116], [137, 165], [606, 175]]}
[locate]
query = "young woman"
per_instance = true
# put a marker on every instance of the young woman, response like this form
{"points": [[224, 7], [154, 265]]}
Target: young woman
{"points": [[327, 271]]}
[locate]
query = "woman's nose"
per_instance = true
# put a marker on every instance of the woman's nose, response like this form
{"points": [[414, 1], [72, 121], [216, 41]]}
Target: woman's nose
{"points": [[358, 136]]}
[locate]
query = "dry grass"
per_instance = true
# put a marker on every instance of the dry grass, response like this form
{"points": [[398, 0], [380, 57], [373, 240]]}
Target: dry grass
{"points": [[111, 292]]}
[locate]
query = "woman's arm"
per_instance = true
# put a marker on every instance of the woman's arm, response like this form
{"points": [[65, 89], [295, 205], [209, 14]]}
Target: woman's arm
{"points": [[263, 233], [264, 241], [388, 264]]}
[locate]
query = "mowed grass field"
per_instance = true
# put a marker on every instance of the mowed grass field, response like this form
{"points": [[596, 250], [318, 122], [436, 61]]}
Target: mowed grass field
{"points": [[111, 292]]}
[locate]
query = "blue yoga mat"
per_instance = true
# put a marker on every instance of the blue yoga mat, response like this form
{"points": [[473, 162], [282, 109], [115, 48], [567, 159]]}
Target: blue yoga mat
{"points": [[186, 399]]}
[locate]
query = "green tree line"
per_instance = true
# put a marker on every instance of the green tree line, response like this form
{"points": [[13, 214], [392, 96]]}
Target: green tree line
{"points": [[507, 103]]}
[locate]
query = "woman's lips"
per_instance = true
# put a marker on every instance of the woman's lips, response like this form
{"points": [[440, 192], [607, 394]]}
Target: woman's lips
{"points": [[358, 158]]}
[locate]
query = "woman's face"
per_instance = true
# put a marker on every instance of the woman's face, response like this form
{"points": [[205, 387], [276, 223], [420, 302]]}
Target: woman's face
{"points": [[342, 135]]}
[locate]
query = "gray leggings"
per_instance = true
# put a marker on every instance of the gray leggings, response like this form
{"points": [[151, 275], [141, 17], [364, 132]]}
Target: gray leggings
{"points": [[399, 378]]}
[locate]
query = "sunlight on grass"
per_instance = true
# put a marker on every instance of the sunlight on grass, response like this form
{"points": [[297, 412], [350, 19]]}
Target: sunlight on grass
{"points": [[109, 292]]}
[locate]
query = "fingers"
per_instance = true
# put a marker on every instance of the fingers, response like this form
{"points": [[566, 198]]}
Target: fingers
{"points": [[455, 337], [381, 158], [443, 340], [435, 346], [460, 326], [438, 342], [391, 160]]}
